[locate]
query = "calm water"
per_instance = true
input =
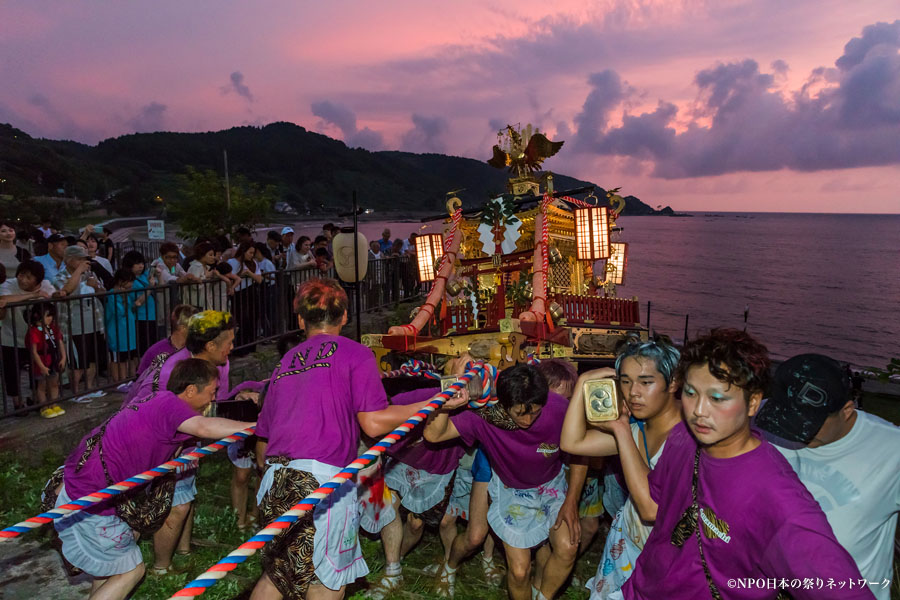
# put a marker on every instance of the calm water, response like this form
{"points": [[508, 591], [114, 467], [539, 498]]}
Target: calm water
{"points": [[813, 282]]}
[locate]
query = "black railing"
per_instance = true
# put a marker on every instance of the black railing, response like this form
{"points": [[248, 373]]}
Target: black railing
{"points": [[106, 334]]}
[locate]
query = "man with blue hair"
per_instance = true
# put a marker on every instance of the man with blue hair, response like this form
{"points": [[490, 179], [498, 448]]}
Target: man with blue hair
{"points": [[646, 375]]}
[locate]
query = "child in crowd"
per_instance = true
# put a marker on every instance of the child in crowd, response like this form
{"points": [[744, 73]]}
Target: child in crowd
{"points": [[144, 278], [323, 260], [48, 356], [121, 324]]}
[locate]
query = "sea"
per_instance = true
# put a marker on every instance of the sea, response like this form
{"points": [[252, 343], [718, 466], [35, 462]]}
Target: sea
{"points": [[827, 283]]}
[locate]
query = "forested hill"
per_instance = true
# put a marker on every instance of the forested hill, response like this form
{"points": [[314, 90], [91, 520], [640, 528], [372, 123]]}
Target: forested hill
{"points": [[310, 171]]}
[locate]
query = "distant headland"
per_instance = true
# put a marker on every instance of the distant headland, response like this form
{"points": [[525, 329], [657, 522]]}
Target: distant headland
{"points": [[131, 174]]}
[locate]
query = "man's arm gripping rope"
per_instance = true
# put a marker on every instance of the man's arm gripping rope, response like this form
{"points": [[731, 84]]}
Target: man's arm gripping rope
{"points": [[218, 571], [123, 486]]}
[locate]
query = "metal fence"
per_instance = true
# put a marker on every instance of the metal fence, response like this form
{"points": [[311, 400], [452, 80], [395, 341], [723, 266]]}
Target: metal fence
{"points": [[105, 334]]}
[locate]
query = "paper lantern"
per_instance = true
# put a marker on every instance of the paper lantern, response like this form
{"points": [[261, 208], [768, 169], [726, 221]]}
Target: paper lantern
{"points": [[429, 248], [592, 233], [618, 262], [343, 256]]}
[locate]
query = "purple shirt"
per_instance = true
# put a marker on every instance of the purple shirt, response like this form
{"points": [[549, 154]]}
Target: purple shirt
{"points": [[316, 391], [413, 450], [163, 346], [757, 522], [523, 458], [142, 436], [154, 380]]}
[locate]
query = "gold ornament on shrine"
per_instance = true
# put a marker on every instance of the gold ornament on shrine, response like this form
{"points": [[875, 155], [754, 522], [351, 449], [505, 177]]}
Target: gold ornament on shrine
{"points": [[554, 256]]}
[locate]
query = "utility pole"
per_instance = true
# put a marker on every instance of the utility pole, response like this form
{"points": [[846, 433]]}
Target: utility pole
{"points": [[227, 187]]}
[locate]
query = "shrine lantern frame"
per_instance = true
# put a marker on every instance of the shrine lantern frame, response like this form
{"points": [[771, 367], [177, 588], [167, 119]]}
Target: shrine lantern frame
{"points": [[592, 233], [618, 263], [429, 248]]}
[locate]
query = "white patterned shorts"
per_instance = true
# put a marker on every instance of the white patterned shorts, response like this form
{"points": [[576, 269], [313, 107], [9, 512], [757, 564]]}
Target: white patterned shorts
{"points": [[522, 518], [418, 490], [99, 545]]}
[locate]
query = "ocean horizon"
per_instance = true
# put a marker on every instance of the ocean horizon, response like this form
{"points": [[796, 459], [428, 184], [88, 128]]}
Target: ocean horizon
{"points": [[811, 282]]}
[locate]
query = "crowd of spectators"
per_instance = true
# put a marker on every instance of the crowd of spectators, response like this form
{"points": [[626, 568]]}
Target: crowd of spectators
{"points": [[116, 303]]}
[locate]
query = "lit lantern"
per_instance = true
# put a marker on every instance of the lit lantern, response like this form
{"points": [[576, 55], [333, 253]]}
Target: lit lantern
{"points": [[344, 262], [592, 233], [429, 248], [617, 263]]}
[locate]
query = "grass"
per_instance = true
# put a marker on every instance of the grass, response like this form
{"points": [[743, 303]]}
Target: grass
{"points": [[216, 534]]}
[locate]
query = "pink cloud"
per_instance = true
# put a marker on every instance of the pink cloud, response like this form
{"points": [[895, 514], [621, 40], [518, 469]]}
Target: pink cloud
{"points": [[455, 68]]}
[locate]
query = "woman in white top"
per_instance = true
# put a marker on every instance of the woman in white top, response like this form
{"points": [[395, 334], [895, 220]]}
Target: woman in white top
{"points": [[303, 256], [100, 266], [213, 284], [10, 254], [245, 301], [167, 267], [645, 372], [263, 259]]}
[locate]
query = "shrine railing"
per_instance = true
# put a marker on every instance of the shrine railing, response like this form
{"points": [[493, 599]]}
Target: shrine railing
{"points": [[598, 310]]}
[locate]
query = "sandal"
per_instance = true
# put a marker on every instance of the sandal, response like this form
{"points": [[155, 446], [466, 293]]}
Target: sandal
{"points": [[161, 571], [493, 573], [384, 588], [445, 584], [170, 570]]}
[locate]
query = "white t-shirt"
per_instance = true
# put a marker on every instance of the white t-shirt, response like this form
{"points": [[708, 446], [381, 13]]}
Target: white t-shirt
{"points": [[167, 275], [297, 260], [856, 481], [636, 529], [105, 264], [236, 269], [266, 266], [11, 288]]}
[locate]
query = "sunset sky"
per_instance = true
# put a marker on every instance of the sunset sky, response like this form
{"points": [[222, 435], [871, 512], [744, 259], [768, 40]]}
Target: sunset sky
{"points": [[754, 105]]}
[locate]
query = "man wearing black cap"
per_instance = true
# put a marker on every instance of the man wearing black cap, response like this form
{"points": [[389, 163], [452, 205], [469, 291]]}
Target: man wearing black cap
{"points": [[53, 260], [849, 459]]}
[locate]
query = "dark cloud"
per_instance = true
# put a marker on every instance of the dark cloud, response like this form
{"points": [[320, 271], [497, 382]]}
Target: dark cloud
{"points": [[333, 113], [426, 134], [55, 122], [496, 124], [743, 123], [237, 85], [8, 115], [607, 92], [886, 35], [150, 119]]}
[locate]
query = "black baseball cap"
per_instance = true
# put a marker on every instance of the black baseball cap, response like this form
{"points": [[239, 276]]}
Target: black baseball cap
{"points": [[805, 390], [56, 237]]}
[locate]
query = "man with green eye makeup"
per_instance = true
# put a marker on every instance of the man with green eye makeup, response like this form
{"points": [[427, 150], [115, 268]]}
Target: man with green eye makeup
{"points": [[732, 520]]}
